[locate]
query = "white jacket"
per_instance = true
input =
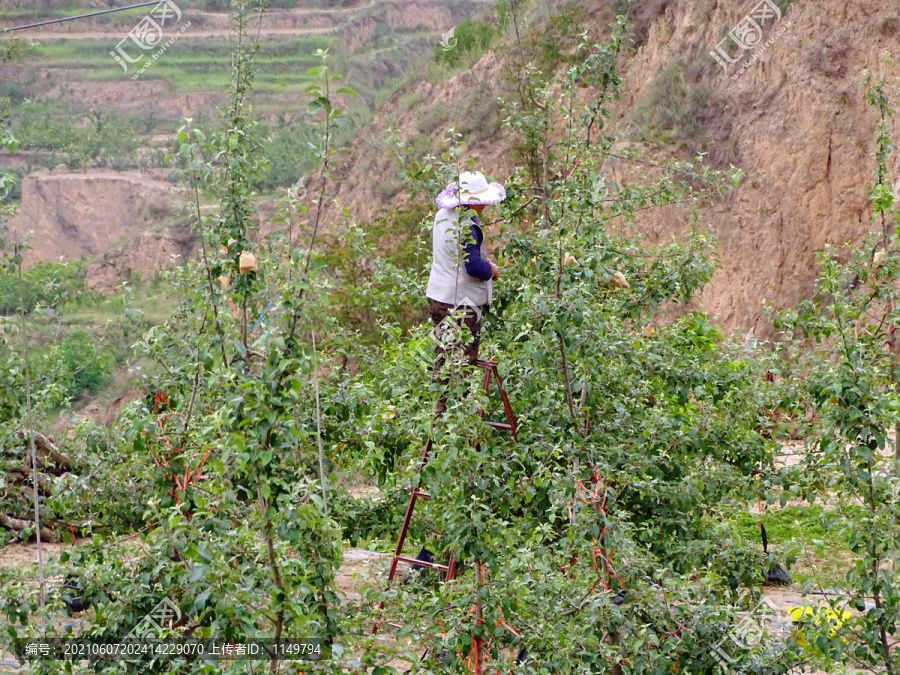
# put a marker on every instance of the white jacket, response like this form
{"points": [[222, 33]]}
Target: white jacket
{"points": [[449, 282]]}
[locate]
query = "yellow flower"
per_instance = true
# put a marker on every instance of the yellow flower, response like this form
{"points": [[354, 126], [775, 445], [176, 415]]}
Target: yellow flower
{"points": [[817, 616]]}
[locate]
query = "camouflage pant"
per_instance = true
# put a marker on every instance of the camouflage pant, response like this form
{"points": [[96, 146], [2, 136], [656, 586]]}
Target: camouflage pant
{"points": [[449, 335]]}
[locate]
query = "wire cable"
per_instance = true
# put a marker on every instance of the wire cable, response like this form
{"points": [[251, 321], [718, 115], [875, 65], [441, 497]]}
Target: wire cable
{"points": [[81, 16]]}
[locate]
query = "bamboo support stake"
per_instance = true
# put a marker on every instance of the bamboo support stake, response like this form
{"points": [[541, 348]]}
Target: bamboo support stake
{"points": [[479, 611], [319, 425], [34, 467]]}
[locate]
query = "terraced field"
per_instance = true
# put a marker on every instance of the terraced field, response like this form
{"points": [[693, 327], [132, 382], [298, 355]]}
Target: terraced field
{"points": [[69, 78]]}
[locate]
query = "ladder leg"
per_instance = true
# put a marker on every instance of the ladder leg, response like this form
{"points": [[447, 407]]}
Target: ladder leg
{"points": [[485, 386], [393, 570], [424, 458], [407, 519], [451, 565], [403, 529], [506, 405]]}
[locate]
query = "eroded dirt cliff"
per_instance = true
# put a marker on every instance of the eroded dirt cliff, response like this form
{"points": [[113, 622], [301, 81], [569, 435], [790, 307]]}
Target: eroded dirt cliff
{"points": [[802, 130], [115, 215], [796, 121]]}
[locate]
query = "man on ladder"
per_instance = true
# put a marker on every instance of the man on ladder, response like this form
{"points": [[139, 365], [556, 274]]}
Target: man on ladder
{"points": [[459, 288], [460, 284]]}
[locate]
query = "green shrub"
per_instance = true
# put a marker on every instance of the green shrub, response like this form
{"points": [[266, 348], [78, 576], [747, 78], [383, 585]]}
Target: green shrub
{"points": [[482, 116], [47, 283], [366, 519], [470, 38], [548, 40], [396, 235], [290, 155], [88, 366], [432, 119], [503, 15], [682, 108], [387, 187], [132, 277], [409, 100], [109, 141], [157, 278], [14, 91]]}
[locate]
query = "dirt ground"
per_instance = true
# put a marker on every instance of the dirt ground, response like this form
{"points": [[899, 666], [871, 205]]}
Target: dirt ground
{"points": [[23, 555]]}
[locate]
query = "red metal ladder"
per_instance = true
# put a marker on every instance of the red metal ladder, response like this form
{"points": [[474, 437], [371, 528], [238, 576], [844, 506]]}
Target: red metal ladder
{"points": [[490, 369]]}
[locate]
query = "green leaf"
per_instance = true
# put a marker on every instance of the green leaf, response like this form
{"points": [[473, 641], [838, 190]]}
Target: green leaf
{"points": [[348, 91], [200, 600]]}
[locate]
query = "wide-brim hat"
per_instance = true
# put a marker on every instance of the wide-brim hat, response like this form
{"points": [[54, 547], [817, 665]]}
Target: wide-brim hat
{"points": [[473, 188]]}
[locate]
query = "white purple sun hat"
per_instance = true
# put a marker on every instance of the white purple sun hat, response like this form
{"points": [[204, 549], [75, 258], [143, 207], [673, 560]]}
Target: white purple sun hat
{"points": [[473, 189]]}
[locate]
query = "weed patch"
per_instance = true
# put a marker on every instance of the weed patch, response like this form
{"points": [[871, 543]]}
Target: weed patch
{"points": [[682, 108]]}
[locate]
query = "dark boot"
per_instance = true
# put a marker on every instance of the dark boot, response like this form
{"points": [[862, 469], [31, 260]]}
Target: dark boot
{"points": [[418, 570]]}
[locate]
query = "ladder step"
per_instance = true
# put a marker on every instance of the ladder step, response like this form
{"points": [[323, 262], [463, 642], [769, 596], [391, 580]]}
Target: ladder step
{"points": [[487, 365], [423, 495], [499, 425], [422, 563]]}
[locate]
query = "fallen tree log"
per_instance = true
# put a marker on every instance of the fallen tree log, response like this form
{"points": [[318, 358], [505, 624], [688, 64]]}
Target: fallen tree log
{"points": [[46, 450], [23, 476], [17, 478], [19, 525], [45, 480]]}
